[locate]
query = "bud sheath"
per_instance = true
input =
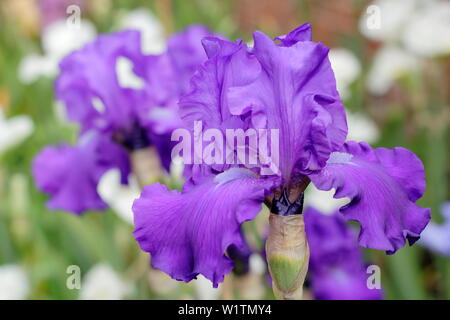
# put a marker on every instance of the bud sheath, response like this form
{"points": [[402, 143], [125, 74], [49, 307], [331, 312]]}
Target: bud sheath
{"points": [[287, 255]]}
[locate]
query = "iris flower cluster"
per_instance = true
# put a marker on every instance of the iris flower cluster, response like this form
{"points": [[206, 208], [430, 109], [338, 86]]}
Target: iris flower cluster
{"points": [[286, 84], [118, 112]]}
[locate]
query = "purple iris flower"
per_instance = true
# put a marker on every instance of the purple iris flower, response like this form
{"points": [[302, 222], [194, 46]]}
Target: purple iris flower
{"points": [[287, 84], [115, 118], [436, 237], [71, 173], [336, 268]]}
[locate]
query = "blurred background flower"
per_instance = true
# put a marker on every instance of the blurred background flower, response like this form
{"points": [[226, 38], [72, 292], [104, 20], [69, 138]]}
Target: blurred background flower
{"points": [[436, 237], [391, 60], [103, 283], [14, 283]]}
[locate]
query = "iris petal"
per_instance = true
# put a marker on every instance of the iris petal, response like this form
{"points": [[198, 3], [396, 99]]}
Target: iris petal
{"points": [[288, 87], [188, 232], [70, 174], [88, 78], [294, 92], [383, 185]]}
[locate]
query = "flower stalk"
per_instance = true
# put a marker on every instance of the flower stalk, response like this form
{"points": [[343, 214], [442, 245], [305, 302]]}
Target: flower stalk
{"points": [[146, 165]]}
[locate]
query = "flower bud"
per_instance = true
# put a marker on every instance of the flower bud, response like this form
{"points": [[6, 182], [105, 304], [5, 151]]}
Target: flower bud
{"points": [[287, 248], [287, 255]]}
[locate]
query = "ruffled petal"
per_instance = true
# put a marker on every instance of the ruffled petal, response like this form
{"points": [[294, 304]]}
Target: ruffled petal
{"points": [[288, 87], [383, 185], [206, 102], [89, 86], [187, 233], [70, 174], [302, 33], [294, 92]]}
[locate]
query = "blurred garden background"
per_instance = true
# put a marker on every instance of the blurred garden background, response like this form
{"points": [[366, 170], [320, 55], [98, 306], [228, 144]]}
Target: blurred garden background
{"points": [[393, 75]]}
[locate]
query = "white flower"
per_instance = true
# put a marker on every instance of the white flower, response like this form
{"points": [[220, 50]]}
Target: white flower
{"points": [[14, 130], [33, 66], [323, 200], [13, 283], [392, 15], [390, 64], [428, 31], [423, 26], [119, 197], [204, 289], [361, 128], [346, 69], [152, 32], [257, 264], [103, 283], [58, 40]]}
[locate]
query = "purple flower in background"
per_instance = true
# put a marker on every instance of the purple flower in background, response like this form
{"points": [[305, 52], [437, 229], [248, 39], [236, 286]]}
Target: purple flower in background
{"points": [[123, 97], [436, 237], [187, 53], [287, 86], [336, 268], [55, 10], [71, 173]]}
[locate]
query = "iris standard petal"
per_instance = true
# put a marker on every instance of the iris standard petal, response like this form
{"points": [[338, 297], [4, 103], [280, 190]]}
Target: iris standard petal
{"points": [[295, 93], [89, 86], [289, 88]]}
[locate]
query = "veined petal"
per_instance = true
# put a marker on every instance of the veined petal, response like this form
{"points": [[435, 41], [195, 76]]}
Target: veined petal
{"points": [[206, 101], [383, 185], [288, 87], [70, 174], [188, 232], [295, 93]]}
